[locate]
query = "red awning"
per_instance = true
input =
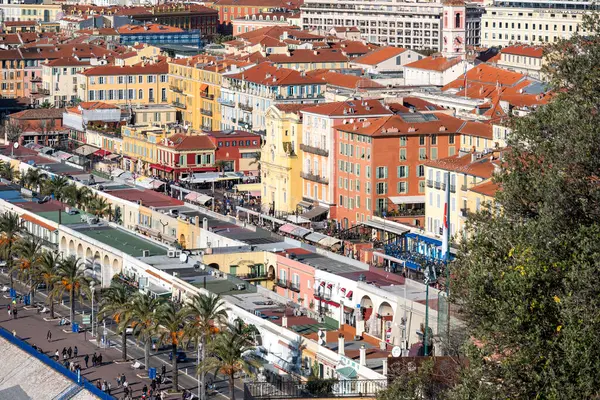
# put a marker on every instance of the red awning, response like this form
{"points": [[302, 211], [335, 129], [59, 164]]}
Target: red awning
{"points": [[102, 153], [161, 167], [322, 283], [198, 169], [329, 285], [349, 295], [333, 303], [204, 87], [343, 290]]}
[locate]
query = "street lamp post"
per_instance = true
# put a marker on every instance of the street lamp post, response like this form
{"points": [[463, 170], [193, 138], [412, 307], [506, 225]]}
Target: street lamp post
{"points": [[92, 289], [203, 268]]}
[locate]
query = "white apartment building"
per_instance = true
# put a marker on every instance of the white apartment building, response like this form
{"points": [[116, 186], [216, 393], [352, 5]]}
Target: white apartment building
{"points": [[246, 96], [524, 59], [508, 22], [414, 25], [59, 80]]}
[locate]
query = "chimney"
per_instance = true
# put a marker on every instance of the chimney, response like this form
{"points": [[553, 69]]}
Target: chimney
{"points": [[363, 356], [284, 321], [197, 221], [385, 367], [473, 156], [341, 344], [205, 223]]}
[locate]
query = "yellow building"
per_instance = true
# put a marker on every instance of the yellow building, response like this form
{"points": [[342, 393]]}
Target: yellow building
{"points": [[154, 115], [467, 171], [256, 266], [195, 86], [481, 195], [139, 147], [280, 161], [143, 83], [46, 12]]}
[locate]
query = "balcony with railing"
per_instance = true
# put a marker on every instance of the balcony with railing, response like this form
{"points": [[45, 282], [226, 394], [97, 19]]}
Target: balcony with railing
{"points": [[44, 91], [256, 276], [205, 95], [429, 183], [294, 286], [206, 127], [175, 89], [314, 150], [179, 104], [206, 112], [282, 283], [228, 103], [314, 178], [245, 107]]}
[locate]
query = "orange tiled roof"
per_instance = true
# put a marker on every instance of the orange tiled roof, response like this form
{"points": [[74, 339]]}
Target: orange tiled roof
{"points": [[469, 164], [148, 28], [434, 63], [524, 50], [350, 109], [379, 55], [344, 80], [478, 129], [308, 56], [160, 67], [36, 221], [270, 75], [487, 188], [396, 125], [181, 142]]}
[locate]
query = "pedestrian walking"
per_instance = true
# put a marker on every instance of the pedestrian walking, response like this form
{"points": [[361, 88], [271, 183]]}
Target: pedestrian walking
{"points": [[75, 351], [99, 359], [123, 379], [163, 370], [99, 384], [103, 386], [15, 312], [9, 311], [56, 355], [64, 352], [145, 389], [153, 385], [70, 352], [108, 388], [126, 392], [125, 384], [14, 333], [94, 359], [86, 359], [49, 336], [118, 379]]}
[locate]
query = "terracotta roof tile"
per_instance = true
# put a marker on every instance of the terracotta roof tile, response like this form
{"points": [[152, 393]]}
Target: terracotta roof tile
{"points": [[434, 63], [344, 80], [488, 188], [350, 109], [379, 55], [524, 50], [308, 56], [397, 125], [477, 129], [270, 75], [160, 67], [147, 29], [39, 113], [181, 142]]}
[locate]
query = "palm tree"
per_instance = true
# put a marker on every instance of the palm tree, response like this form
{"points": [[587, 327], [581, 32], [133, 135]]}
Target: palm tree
{"points": [[9, 172], [28, 250], [82, 196], [144, 320], [208, 313], [71, 279], [172, 320], [33, 179], [98, 206], [10, 228], [56, 186], [47, 273], [116, 301], [227, 356]]}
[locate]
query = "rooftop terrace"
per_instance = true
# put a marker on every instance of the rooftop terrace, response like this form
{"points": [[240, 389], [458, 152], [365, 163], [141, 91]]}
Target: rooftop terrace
{"points": [[121, 240]]}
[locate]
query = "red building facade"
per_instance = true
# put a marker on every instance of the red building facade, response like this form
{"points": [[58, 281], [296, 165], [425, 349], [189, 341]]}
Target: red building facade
{"points": [[236, 150]]}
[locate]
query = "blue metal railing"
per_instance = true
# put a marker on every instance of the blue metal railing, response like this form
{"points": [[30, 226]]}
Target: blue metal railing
{"points": [[61, 369]]}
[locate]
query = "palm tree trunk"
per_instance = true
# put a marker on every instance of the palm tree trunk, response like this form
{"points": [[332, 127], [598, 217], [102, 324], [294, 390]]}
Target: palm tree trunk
{"points": [[174, 366], [51, 300], [72, 304], [202, 373], [231, 387], [147, 353], [124, 344]]}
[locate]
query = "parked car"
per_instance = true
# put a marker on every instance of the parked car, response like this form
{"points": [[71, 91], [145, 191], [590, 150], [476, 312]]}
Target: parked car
{"points": [[181, 356]]}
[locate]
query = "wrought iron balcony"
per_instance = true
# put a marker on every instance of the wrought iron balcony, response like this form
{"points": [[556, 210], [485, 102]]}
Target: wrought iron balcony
{"points": [[294, 286], [228, 103], [245, 107], [429, 183], [206, 112], [281, 283], [315, 178], [205, 95], [179, 104], [175, 89], [44, 91], [314, 150]]}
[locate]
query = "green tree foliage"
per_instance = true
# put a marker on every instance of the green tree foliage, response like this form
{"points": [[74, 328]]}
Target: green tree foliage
{"points": [[526, 279]]}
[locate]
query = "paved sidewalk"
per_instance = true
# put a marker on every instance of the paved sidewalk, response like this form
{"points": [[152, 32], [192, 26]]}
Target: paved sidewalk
{"points": [[33, 328]]}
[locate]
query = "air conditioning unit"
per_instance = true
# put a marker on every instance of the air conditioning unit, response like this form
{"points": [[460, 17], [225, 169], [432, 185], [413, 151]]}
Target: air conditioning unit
{"points": [[171, 254], [145, 253]]}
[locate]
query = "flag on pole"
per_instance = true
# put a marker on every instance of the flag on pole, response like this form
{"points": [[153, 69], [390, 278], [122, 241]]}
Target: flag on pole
{"points": [[446, 223]]}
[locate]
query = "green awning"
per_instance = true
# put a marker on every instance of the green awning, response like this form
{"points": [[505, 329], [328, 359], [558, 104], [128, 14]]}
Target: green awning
{"points": [[347, 372]]}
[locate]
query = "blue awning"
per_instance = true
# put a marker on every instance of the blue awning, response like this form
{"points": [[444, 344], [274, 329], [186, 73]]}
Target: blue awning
{"points": [[425, 239]]}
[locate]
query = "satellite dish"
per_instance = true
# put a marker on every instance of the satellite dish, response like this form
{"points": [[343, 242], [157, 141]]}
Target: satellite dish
{"points": [[396, 351], [16, 145], [183, 257]]}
